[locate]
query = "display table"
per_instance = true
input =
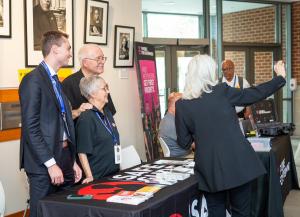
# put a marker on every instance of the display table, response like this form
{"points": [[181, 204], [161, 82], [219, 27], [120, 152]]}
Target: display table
{"points": [[270, 191], [183, 198]]}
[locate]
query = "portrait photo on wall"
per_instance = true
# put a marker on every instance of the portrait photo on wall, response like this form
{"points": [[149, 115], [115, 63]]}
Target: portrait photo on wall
{"points": [[42, 16], [95, 22], [5, 18], [123, 50]]}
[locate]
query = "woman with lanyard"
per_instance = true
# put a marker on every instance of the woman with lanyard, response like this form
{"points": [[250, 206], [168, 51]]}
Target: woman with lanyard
{"points": [[97, 137]]}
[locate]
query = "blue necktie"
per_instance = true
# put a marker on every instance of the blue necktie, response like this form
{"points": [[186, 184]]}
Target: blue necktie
{"points": [[55, 77]]}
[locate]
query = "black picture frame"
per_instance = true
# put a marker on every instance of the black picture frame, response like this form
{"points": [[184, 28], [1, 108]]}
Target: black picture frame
{"points": [[96, 22], [61, 18], [123, 46], [5, 18]]}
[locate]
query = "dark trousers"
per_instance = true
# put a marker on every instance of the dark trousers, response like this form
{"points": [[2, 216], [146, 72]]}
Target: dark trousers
{"points": [[239, 200], [40, 184]]}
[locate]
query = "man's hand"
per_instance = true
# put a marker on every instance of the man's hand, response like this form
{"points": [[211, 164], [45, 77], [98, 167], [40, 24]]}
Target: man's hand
{"points": [[56, 175], [82, 108], [77, 172], [85, 106]]}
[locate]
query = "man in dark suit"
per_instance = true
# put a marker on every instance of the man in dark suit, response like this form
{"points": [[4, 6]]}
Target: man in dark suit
{"points": [[47, 151], [92, 62], [43, 21]]}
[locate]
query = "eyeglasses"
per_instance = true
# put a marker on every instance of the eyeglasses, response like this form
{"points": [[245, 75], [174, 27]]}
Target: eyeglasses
{"points": [[105, 88], [98, 59]]}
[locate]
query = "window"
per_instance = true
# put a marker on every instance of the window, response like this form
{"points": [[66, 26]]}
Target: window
{"points": [[173, 26]]}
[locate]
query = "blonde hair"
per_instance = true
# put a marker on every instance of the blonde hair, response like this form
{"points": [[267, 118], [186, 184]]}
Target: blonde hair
{"points": [[201, 77]]}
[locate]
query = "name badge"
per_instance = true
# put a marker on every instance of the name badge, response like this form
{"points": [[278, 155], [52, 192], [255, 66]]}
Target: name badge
{"points": [[117, 149]]}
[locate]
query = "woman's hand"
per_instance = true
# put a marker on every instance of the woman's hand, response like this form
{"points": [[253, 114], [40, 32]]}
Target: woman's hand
{"points": [[280, 69], [88, 180]]}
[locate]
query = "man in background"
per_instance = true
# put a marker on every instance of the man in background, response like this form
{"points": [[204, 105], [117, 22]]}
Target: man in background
{"points": [[47, 149], [43, 21], [92, 62], [167, 129], [236, 81]]}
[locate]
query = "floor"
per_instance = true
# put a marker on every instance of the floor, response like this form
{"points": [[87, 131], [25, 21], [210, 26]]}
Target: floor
{"points": [[291, 206]]}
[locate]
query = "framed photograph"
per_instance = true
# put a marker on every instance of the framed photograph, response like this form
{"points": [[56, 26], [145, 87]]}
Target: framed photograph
{"points": [[96, 21], [124, 38], [42, 16], [5, 19]]}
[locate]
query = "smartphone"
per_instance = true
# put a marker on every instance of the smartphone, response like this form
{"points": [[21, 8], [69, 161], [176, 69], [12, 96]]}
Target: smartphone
{"points": [[79, 197]]}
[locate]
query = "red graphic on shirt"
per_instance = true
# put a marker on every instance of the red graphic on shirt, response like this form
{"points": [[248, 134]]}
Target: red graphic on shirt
{"points": [[104, 190]]}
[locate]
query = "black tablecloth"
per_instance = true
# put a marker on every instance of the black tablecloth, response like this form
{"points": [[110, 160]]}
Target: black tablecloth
{"points": [[183, 198], [270, 191]]}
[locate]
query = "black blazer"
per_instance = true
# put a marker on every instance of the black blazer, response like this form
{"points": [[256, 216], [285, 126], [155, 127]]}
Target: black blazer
{"points": [[42, 124], [72, 91], [224, 158]]}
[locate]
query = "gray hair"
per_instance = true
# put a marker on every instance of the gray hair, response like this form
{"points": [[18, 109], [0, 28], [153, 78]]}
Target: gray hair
{"points": [[89, 85], [87, 51], [201, 77]]}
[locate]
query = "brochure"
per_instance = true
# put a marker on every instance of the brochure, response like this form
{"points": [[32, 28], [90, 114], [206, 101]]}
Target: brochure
{"points": [[128, 197]]}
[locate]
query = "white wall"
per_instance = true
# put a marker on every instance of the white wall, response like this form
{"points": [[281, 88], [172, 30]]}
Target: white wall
{"points": [[124, 91]]}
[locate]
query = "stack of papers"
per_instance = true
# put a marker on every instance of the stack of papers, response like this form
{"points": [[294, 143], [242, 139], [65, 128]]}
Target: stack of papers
{"points": [[172, 176], [260, 143], [170, 162], [128, 197], [135, 197], [181, 169], [149, 190]]}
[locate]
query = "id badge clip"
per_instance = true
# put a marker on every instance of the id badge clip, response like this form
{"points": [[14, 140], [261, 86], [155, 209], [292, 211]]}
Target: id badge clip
{"points": [[117, 149]]}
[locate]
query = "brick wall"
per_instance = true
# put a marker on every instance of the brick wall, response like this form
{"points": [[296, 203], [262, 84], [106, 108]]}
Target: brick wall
{"points": [[296, 41], [263, 62], [296, 62], [257, 25]]}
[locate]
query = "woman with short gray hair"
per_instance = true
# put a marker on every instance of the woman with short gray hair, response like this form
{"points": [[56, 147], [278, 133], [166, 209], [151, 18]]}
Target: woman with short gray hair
{"points": [[225, 162], [96, 132]]}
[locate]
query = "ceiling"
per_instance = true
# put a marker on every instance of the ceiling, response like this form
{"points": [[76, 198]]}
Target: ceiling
{"points": [[195, 6]]}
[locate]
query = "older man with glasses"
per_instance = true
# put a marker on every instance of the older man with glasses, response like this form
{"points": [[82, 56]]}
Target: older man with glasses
{"points": [[92, 62], [236, 81]]}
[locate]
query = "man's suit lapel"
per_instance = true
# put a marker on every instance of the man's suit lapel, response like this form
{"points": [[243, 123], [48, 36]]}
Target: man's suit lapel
{"points": [[49, 86], [48, 83]]}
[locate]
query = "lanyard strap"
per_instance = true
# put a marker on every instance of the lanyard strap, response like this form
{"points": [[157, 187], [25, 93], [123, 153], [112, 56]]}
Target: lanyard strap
{"points": [[56, 88], [234, 80], [106, 123], [57, 91]]}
